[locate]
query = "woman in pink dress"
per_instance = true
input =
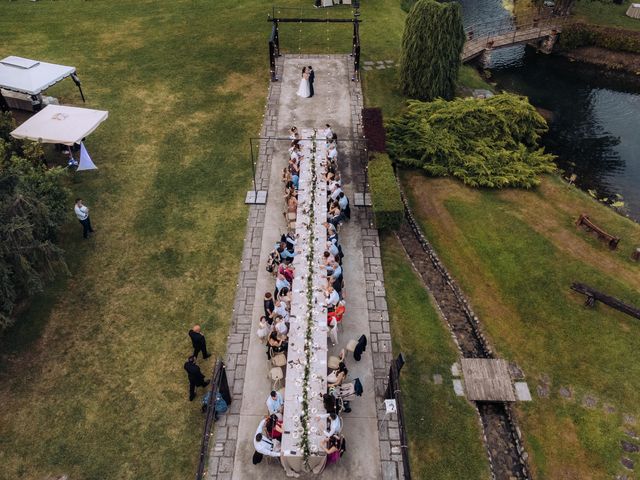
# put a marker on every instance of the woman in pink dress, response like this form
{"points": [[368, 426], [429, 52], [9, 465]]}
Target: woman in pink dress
{"points": [[331, 447]]}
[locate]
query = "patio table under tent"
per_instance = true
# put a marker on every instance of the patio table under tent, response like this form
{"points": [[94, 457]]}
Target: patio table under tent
{"points": [[63, 125], [23, 80]]}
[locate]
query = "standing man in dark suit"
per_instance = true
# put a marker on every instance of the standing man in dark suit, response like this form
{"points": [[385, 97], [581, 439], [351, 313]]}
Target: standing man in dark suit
{"points": [[312, 77], [199, 342], [196, 378]]}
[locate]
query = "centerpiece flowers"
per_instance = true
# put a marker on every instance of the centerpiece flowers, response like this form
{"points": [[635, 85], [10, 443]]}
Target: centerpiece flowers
{"points": [[308, 339]]}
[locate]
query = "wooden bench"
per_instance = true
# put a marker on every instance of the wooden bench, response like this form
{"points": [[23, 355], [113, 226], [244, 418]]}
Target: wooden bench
{"points": [[610, 239], [593, 295]]}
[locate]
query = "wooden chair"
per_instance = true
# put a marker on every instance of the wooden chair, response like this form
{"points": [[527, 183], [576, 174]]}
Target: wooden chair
{"points": [[351, 346], [276, 374]]}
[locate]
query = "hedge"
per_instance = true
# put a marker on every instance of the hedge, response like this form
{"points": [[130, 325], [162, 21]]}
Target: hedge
{"points": [[585, 35], [385, 195]]}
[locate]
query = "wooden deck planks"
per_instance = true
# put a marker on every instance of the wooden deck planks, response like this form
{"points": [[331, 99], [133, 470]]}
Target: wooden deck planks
{"points": [[476, 46], [487, 380]]}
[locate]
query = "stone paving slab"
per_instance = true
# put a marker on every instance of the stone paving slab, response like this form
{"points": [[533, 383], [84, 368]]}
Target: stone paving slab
{"points": [[374, 451]]}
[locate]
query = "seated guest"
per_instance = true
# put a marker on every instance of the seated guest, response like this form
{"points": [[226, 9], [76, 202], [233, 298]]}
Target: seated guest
{"points": [[335, 192], [335, 215], [286, 254], [331, 447], [274, 427], [263, 445], [281, 282], [332, 297], [277, 344], [338, 312], [281, 327], [332, 248], [330, 403], [327, 133], [275, 403], [337, 376], [281, 310], [334, 425], [343, 203], [332, 154], [286, 271], [293, 132], [284, 295]]}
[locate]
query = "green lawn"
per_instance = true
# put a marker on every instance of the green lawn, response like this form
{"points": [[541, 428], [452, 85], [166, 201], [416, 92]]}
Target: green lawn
{"points": [[91, 379], [515, 253], [606, 13], [444, 430]]}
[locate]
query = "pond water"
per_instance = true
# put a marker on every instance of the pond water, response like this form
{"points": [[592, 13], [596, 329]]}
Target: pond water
{"points": [[595, 127]]}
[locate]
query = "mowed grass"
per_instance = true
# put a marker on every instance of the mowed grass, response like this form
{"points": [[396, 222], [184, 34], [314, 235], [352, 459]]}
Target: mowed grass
{"points": [[516, 253], [445, 439], [606, 13], [91, 378]]}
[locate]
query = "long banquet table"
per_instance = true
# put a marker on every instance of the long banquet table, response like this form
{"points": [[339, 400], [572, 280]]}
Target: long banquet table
{"points": [[292, 454]]}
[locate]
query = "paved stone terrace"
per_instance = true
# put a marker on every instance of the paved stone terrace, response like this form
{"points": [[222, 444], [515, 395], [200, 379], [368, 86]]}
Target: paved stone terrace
{"points": [[372, 451]]}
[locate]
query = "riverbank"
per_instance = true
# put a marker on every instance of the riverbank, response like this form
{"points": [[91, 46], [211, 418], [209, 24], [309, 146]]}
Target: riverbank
{"points": [[615, 61]]}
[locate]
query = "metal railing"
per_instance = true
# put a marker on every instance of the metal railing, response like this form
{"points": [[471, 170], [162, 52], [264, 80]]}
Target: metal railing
{"points": [[393, 392], [218, 384]]}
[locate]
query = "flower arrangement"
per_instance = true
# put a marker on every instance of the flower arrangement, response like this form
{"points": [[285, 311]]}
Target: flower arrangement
{"points": [[308, 343]]}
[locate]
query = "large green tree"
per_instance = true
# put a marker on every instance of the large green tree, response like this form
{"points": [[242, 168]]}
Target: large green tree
{"points": [[485, 143], [33, 203], [431, 47]]}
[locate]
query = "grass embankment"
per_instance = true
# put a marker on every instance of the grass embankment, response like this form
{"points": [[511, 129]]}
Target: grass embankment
{"points": [[606, 13], [444, 431], [91, 379], [515, 253]]}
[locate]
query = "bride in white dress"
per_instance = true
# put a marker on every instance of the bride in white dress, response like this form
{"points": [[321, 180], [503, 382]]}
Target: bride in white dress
{"points": [[303, 90]]}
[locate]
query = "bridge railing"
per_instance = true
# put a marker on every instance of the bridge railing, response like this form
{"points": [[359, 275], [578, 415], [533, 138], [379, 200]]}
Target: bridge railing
{"points": [[510, 30]]}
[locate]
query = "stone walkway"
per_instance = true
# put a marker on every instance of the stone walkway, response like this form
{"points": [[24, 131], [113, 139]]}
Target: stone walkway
{"points": [[372, 452]]}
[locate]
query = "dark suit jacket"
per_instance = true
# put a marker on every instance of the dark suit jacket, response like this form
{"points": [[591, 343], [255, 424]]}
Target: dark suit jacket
{"points": [[197, 339], [312, 76], [195, 375]]}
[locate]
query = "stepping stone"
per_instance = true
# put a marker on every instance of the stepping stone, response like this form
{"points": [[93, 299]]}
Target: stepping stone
{"points": [[380, 67], [629, 447], [565, 392], [368, 63], [379, 62], [515, 371], [589, 401], [627, 462], [437, 379], [543, 391], [632, 434], [388, 61], [455, 370], [608, 408], [457, 387], [366, 67], [628, 419], [522, 391], [622, 477]]}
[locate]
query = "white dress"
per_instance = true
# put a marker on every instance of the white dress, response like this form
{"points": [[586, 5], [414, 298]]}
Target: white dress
{"points": [[304, 90]]}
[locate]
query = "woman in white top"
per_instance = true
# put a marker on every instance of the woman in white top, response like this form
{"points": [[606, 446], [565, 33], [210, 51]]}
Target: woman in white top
{"points": [[281, 327], [303, 90], [263, 329]]}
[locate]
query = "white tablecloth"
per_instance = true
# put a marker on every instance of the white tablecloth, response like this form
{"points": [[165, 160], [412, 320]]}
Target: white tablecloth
{"points": [[296, 357]]}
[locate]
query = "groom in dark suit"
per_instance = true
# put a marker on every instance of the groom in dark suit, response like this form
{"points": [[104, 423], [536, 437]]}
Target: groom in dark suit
{"points": [[312, 77]]}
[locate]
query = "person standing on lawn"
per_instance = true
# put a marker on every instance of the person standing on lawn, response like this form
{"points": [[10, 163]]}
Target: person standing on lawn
{"points": [[199, 342], [82, 212], [196, 378]]}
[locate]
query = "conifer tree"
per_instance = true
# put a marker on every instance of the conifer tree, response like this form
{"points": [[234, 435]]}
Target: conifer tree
{"points": [[431, 46]]}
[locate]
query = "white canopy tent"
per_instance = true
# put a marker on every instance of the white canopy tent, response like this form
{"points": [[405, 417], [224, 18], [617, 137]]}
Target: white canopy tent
{"points": [[60, 124], [30, 76]]}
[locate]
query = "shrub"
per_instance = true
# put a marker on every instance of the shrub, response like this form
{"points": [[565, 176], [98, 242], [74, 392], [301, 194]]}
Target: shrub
{"points": [[373, 127], [585, 35], [432, 42], [485, 143], [385, 195], [33, 206]]}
